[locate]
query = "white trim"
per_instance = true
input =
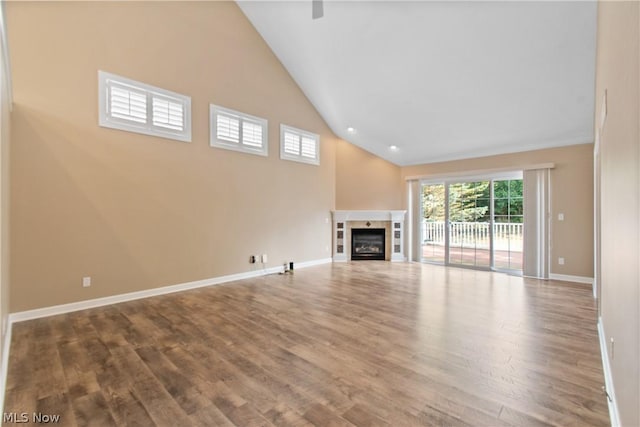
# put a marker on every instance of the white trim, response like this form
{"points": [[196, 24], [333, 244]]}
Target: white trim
{"points": [[99, 302], [107, 120], [494, 176], [569, 278], [368, 215], [240, 146], [4, 367], [299, 133], [395, 216], [114, 299], [5, 55], [315, 262], [614, 415], [479, 172], [509, 148]]}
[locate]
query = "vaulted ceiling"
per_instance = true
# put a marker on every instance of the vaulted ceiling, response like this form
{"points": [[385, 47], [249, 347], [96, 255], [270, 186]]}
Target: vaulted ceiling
{"points": [[441, 80]]}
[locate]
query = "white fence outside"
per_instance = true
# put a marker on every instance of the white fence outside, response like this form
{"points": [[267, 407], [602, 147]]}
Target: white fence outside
{"points": [[506, 236]]}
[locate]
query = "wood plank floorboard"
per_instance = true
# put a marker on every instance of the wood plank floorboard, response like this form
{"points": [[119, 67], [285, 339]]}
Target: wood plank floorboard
{"points": [[353, 344]]}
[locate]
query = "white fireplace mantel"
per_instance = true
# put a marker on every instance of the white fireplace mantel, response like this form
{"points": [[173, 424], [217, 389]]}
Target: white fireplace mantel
{"points": [[340, 219], [368, 215]]}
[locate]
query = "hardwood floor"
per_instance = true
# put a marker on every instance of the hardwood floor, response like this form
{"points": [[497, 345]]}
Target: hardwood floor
{"points": [[365, 344]]}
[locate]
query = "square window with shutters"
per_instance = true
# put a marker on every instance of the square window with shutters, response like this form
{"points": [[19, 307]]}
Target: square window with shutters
{"points": [[299, 145], [233, 130], [137, 107]]}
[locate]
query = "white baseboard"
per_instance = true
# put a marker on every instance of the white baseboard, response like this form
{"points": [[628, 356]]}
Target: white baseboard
{"points": [[98, 302], [312, 263], [614, 415], [569, 278], [4, 364], [114, 299]]}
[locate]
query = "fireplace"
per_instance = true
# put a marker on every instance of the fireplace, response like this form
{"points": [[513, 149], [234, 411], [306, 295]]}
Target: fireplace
{"points": [[367, 244], [391, 243]]}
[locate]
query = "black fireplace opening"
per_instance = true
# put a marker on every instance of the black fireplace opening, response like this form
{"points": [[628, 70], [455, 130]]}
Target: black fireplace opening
{"points": [[367, 244]]}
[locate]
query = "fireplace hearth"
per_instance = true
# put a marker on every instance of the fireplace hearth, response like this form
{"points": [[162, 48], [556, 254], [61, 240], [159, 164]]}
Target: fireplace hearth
{"points": [[367, 244], [391, 248]]}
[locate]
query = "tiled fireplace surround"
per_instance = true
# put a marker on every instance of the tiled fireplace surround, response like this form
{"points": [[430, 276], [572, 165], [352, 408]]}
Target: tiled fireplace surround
{"points": [[391, 221]]}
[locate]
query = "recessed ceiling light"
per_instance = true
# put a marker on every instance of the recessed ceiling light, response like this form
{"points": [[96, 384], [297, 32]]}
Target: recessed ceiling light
{"points": [[393, 147], [351, 130]]}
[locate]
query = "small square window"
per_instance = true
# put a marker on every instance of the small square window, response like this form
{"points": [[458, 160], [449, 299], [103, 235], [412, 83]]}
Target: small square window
{"points": [[233, 130], [299, 145]]}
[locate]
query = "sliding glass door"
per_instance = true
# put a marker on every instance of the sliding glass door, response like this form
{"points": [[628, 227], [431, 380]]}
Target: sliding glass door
{"points": [[432, 227], [473, 223], [469, 223], [508, 220]]}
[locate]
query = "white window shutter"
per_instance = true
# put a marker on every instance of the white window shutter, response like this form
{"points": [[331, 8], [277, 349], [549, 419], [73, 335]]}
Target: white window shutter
{"points": [[132, 106], [299, 145], [237, 131], [291, 143], [167, 114], [227, 128], [127, 104], [251, 134], [308, 147]]}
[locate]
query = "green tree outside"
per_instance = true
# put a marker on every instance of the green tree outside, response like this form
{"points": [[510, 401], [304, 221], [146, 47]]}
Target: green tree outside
{"points": [[470, 201]]}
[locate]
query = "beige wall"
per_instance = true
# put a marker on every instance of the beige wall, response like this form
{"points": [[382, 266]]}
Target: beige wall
{"points": [[571, 194], [136, 212], [618, 72], [365, 181]]}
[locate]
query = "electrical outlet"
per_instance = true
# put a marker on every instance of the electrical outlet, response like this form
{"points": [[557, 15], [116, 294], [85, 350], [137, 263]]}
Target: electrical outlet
{"points": [[560, 217], [561, 261], [252, 259], [86, 282], [264, 258]]}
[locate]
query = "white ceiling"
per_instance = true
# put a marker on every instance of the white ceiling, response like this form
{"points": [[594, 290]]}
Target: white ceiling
{"points": [[441, 80]]}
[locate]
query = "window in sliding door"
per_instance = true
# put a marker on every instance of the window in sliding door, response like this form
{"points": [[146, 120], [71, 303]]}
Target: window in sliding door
{"points": [[474, 223], [469, 223], [433, 224], [508, 221]]}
